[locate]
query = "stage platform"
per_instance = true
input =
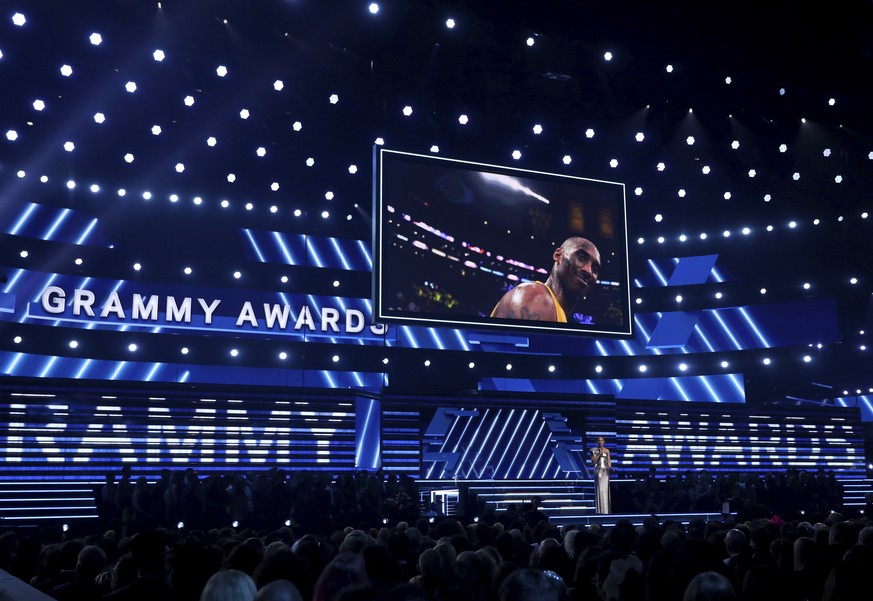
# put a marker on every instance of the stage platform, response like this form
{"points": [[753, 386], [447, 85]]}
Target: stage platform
{"points": [[572, 501], [562, 501]]}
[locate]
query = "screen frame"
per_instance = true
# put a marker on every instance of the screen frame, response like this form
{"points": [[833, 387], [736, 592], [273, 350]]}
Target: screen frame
{"points": [[382, 315]]}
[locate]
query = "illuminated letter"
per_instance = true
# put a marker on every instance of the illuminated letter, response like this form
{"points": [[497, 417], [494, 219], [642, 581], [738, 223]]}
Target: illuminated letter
{"points": [[247, 314], [208, 310], [82, 300], [179, 312], [278, 313], [141, 311], [113, 305], [354, 321], [304, 317], [329, 317], [53, 299]]}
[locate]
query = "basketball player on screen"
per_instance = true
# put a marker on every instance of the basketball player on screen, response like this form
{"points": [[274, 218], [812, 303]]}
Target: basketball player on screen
{"points": [[574, 273]]}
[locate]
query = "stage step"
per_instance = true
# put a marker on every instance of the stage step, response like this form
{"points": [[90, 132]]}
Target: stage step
{"points": [[855, 492], [566, 500], [38, 500]]}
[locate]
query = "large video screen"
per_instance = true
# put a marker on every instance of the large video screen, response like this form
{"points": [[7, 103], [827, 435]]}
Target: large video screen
{"points": [[476, 245]]}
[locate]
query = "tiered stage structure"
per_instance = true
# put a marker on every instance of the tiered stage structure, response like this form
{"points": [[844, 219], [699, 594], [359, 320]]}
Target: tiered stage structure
{"points": [[470, 453]]}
